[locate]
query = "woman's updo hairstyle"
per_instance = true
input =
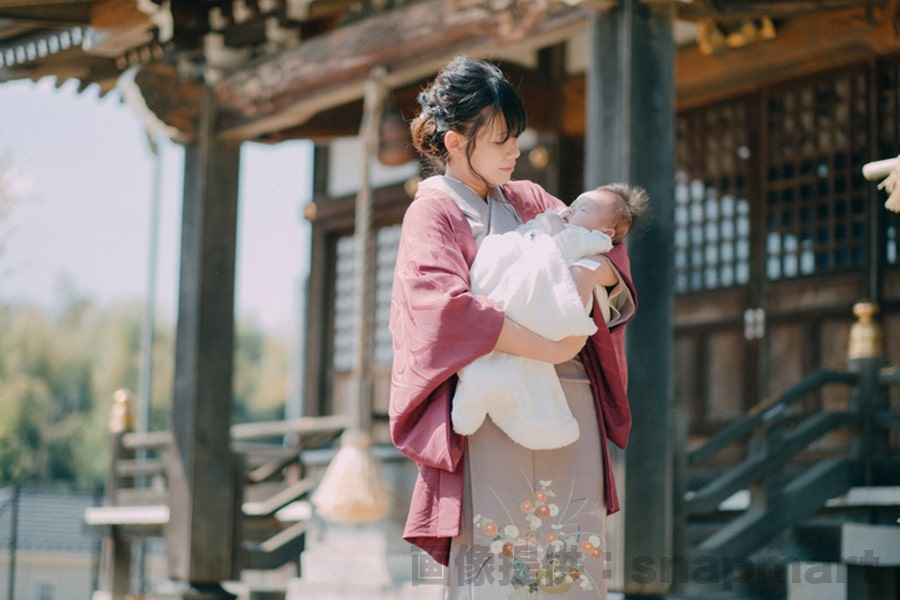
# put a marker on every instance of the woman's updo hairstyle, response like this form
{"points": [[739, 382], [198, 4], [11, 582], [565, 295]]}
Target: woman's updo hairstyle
{"points": [[456, 100]]}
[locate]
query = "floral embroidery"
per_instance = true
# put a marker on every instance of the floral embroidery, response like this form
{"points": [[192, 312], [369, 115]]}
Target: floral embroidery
{"points": [[547, 555]]}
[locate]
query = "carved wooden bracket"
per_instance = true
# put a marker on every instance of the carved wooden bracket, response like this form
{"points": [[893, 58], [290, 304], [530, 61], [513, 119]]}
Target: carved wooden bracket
{"points": [[166, 102]]}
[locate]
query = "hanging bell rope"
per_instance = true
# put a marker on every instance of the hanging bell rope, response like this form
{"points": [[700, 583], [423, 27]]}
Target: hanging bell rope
{"points": [[888, 171], [353, 489]]}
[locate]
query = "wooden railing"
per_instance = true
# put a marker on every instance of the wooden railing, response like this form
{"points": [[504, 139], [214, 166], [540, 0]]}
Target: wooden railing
{"points": [[273, 478], [277, 477], [771, 447], [780, 494]]}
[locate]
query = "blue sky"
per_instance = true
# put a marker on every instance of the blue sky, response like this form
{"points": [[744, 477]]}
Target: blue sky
{"points": [[82, 175]]}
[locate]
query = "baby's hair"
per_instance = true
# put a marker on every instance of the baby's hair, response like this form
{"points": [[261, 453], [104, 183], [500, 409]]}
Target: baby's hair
{"points": [[635, 203]]}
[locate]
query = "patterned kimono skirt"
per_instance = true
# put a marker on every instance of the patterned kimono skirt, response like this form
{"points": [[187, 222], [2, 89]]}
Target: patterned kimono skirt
{"points": [[533, 521]]}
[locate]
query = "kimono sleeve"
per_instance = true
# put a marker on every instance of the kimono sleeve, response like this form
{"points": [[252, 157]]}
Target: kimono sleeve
{"points": [[438, 326]]}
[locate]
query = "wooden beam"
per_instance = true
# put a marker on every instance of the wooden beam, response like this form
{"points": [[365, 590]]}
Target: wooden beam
{"points": [[343, 120], [119, 26], [272, 99], [725, 10], [801, 46], [38, 6], [412, 42], [799, 49], [313, 91], [51, 13]]}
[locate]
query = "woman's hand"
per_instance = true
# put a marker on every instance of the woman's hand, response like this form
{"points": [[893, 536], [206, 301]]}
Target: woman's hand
{"points": [[586, 278], [520, 341]]}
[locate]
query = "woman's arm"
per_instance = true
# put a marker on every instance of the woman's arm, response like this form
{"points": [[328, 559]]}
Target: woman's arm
{"points": [[520, 341]]}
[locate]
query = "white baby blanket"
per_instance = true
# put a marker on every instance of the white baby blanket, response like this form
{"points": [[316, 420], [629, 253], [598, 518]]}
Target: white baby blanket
{"points": [[527, 272]]}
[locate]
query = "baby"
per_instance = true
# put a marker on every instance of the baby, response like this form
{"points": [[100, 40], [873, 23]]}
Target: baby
{"points": [[544, 275], [613, 210]]}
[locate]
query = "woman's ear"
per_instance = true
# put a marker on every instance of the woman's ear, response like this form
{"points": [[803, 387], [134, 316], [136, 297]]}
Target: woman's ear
{"points": [[453, 141]]}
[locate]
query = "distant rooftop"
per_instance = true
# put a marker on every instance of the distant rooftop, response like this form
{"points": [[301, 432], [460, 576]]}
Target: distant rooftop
{"points": [[50, 520]]}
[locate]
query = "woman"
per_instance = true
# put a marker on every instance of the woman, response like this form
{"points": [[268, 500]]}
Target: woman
{"points": [[508, 521]]}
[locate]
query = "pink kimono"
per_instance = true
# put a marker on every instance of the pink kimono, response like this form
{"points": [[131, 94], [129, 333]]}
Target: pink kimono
{"points": [[439, 326]]}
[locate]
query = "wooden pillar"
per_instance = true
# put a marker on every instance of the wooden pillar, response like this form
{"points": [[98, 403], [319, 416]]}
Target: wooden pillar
{"points": [[866, 356], [630, 138], [117, 546], [204, 494], [318, 310]]}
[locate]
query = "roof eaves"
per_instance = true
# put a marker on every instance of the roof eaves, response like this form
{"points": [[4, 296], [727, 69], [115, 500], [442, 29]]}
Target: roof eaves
{"points": [[42, 43]]}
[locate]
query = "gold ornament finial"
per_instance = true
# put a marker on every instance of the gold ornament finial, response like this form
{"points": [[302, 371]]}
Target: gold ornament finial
{"points": [[866, 338], [120, 421]]}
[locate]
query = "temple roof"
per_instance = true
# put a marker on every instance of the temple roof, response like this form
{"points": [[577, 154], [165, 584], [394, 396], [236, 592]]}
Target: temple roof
{"points": [[281, 68]]}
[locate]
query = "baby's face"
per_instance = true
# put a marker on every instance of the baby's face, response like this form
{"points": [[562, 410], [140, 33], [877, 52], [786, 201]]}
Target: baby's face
{"points": [[591, 210]]}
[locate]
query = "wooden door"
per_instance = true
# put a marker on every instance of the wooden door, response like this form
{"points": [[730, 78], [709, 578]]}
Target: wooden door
{"points": [[715, 361], [775, 239]]}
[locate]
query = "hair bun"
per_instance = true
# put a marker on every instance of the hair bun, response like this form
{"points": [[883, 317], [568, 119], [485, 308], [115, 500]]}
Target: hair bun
{"points": [[432, 107]]}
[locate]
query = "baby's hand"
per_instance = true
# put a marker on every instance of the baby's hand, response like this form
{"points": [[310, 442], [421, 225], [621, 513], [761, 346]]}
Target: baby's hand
{"points": [[555, 222]]}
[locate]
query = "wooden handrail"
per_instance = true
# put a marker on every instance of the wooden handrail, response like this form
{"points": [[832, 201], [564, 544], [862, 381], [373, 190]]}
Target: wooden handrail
{"points": [[245, 431], [272, 451], [300, 426], [769, 411], [708, 498], [268, 460], [139, 467], [153, 440], [799, 499], [273, 552], [268, 507]]}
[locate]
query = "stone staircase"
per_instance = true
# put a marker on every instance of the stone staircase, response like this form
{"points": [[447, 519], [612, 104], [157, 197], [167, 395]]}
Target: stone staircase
{"points": [[847, 550], [848, 559], [797, 518]]}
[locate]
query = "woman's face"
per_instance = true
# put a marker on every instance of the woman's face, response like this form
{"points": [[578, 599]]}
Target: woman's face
{"points": [[492, 160]]}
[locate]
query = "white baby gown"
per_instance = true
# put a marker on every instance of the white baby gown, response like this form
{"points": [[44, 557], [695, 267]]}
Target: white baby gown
{"points": [[527, 272]]}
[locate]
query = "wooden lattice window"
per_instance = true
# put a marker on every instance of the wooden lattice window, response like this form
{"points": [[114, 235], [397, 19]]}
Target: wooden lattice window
{"points": [[712, 211], [388, 243], [813, 197], [816, 203], [387, 240], [344, 304]]}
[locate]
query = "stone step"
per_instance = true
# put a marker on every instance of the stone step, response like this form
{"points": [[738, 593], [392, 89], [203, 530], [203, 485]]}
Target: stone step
{"points": [[856, 497], [841, 581], [867, 497], [866, 557], [874, 545]]}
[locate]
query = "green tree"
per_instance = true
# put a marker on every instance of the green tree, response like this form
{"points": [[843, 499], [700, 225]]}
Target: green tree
{"points": [[260, 375], [46, 391], [26, 406], [59, 370]]}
